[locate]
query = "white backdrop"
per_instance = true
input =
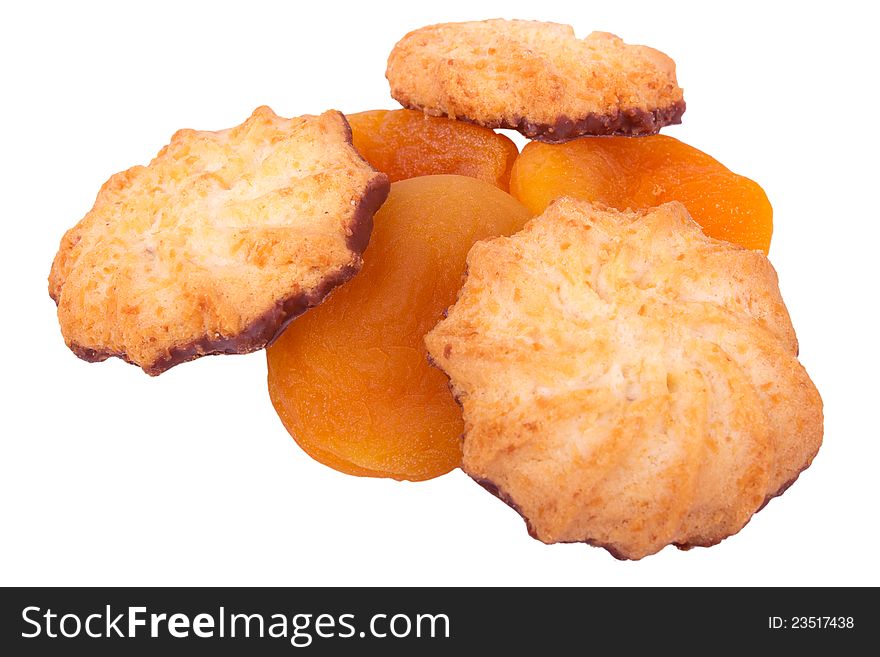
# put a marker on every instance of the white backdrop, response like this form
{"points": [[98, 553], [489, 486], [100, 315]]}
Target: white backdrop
{"points": [[108, 476]]}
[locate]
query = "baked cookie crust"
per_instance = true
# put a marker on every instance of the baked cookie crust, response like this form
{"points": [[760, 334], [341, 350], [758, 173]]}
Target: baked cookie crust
{"points": [[625, 380], [217, 244], [537, 78]]}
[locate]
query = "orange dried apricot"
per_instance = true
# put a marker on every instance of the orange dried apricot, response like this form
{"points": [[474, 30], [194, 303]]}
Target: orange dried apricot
{"points": [[406, 143], [350, 379], [644, 172]]}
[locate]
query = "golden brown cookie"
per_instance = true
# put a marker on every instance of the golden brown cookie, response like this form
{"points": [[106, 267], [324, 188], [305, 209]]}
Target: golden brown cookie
{"points": [[537, 78], [218, 243], [627, 381]]}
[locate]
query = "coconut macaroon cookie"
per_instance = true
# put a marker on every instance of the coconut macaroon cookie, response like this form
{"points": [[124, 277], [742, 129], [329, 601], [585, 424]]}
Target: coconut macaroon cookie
{"points": [[218, 243], [535, 77], [625, 380]]}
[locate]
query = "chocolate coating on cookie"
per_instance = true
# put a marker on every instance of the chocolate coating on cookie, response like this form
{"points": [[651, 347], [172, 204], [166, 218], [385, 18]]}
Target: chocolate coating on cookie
{"points": [[218, 244], [630, 123], [537, 78]]}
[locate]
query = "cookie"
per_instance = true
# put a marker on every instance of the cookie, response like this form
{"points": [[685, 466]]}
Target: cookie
{"points": [[218, 243], [535, 77], [625, 380]]}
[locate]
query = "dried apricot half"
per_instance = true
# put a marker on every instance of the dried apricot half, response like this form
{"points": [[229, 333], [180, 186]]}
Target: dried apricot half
{"points": [[350, 379], [406, 143], [627, 173]]}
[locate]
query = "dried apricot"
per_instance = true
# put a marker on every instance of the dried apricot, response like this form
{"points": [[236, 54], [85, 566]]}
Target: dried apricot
{"points": [[350, 379], [624, 173], [406, 143]]}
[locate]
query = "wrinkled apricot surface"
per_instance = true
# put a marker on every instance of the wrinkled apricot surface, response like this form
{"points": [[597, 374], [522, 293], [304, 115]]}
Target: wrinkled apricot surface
{"points": [[643, 172], [350, 378], [406, 143]]}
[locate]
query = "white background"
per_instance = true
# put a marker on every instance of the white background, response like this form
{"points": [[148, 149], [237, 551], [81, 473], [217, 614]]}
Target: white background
{"points": [[108, 476]]}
